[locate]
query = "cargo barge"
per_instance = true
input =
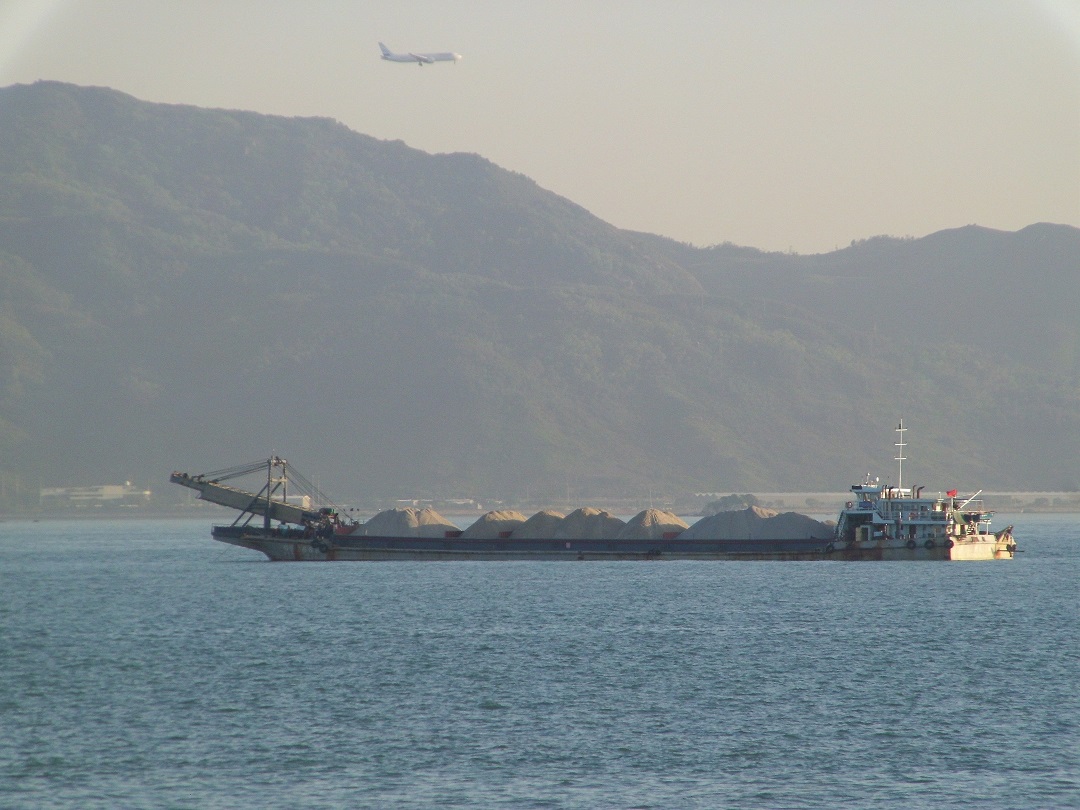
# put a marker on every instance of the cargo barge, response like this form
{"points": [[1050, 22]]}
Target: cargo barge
{"points": [[880, 522]]}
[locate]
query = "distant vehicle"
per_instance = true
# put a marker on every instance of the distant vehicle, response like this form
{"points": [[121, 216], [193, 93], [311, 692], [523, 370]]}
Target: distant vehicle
{"points": [[420, 58]]}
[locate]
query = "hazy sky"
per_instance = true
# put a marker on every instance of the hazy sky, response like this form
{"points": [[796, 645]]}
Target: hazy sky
{"points": [[780, 125]]}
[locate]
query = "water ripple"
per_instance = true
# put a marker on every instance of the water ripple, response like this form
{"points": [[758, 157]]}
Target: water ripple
{"points": [[142, 665]]}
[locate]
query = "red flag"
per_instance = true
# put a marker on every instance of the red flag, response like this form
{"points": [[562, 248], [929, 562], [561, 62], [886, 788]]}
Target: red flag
{"points": [[951, 493]]}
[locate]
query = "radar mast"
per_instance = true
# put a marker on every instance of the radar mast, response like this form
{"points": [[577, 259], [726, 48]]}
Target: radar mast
{"points": [[900, 445]]}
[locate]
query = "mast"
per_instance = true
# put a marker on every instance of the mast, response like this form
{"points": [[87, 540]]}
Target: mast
{"points": [[900, 457], [269, 491], [272, 485]]}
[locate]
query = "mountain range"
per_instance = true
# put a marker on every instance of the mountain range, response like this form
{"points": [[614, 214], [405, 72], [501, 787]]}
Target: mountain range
{"points": [[187, 288]]}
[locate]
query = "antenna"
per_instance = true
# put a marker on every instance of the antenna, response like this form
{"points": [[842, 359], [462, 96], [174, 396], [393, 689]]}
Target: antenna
{"points": [[901, 445]]}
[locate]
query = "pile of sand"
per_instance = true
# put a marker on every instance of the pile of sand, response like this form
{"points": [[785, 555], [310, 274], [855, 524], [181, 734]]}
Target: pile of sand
{"points": [[490, 525], [652, 524], [540, 526], [407, 522], [757, 523], [589, 524]]}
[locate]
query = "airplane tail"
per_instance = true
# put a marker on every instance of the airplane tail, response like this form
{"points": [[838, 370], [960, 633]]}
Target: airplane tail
{"points": [[384, 49]]}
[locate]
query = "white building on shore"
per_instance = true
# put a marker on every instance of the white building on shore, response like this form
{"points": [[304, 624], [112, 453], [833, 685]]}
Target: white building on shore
{"points": [[125, 494]]}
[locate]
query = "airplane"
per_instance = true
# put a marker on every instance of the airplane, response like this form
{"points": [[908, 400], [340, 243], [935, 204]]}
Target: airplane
{"points": [[420, 58]]}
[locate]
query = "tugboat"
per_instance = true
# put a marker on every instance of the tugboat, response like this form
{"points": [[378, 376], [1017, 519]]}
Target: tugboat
{"points": [[881, 522]]}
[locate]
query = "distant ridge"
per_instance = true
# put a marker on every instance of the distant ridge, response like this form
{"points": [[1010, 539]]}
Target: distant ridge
{"points": [[183, 287]]}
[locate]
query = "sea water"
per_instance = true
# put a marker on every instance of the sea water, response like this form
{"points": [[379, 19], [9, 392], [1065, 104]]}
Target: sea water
{"points": [[144, 665]]}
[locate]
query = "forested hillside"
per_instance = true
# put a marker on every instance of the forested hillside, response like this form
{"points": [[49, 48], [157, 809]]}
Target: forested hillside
{"points": [[183, 288]]}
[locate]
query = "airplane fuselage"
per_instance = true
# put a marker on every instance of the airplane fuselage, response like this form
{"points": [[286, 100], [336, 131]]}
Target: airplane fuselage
{"points": [[420, 59]]}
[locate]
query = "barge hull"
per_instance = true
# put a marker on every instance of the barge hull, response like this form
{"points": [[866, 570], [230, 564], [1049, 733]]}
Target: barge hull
{"points": [[343, 548]]}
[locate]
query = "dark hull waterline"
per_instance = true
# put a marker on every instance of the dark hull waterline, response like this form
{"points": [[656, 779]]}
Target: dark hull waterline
{"points": [[343, 548]]}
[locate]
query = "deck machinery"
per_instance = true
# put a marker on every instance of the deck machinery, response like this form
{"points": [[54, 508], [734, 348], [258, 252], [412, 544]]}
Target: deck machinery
{"points": [[271, 502]]}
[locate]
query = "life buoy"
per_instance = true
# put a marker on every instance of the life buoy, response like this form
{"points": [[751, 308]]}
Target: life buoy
{"points": [[848, 505], [949, 543], [929, 543], [911, 544]]}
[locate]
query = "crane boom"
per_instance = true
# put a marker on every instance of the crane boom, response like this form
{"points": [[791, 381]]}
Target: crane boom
{"points": [[261, 503]]}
